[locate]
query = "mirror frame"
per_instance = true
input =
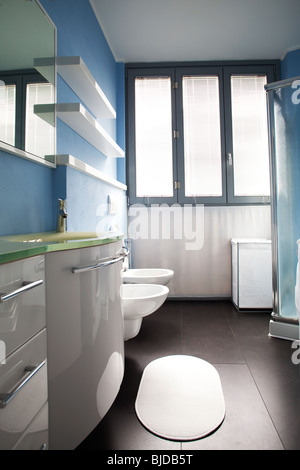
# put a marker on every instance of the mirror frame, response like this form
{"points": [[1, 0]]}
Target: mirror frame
{"points": [[22, 153]]}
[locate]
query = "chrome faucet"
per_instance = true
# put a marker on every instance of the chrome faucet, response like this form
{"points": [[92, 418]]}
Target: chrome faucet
{"points": [[125, 251], [62, 215]]}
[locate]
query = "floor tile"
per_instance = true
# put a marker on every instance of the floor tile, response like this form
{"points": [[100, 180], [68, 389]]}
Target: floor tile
{"points": [[261, 384], [247, 424]]}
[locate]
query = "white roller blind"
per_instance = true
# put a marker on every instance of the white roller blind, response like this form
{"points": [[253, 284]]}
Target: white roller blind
{"points": [[39, 135], [250, 135], [202, 136], [153, 131], [7, 113]]}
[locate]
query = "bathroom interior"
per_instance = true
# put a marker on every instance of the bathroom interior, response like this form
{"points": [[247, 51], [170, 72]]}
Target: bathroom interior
{"points": [[73, 226]]}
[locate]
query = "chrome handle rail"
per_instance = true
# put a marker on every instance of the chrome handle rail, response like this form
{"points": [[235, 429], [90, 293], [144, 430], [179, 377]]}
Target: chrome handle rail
{"points": [[99, 265], [26, 286], [30, 371], [102, 263]]}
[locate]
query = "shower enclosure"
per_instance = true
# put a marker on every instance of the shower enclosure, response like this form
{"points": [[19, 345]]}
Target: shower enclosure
{"points": [[284, 138]]}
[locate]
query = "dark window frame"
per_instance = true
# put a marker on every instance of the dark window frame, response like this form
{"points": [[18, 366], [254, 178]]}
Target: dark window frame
{"points": [[228, 71], [21, 78], [182, 199], [223, 70]]}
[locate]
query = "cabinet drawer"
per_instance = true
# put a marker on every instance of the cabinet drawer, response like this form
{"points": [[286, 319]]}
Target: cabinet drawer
{"points": [[23, 315], [17, 412], [36, 435]]}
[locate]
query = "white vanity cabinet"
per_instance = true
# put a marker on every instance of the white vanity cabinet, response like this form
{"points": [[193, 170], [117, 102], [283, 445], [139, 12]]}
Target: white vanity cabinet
{"points": [[23, 356], [85, 339]]}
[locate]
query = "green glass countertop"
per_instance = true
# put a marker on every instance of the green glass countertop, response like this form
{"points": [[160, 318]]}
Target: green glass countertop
{"points": [[16, 247]]}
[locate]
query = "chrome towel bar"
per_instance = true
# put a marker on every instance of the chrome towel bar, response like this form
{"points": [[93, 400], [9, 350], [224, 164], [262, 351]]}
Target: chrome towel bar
{"points": [[120, 256]]}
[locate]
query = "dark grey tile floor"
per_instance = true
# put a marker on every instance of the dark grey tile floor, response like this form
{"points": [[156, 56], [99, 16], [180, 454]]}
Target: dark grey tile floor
{"points": [[261, 385]]}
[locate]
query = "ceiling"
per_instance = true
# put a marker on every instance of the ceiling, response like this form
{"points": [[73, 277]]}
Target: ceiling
{"points": [[196, 30]]}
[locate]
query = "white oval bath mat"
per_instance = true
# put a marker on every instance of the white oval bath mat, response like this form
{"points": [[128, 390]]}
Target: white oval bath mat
{"points": [[180, 398]]}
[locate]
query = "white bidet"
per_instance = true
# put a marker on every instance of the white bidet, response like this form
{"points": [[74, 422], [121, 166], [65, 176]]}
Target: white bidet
{"points": [[138, 301], [147, 276]]}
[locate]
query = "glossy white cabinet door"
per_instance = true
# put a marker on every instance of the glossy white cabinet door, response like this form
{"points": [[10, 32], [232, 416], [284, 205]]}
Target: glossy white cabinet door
{"points": [[36, 435], [19, 409], [22, 316], [85, 342]]}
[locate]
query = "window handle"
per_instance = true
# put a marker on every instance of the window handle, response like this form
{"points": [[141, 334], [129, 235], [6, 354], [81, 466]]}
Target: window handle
{"points": [[229, 158]]}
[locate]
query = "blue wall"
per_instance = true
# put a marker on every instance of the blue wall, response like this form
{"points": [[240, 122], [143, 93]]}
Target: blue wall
{"points": [[29, 191], [290, 65], [26, 196]]}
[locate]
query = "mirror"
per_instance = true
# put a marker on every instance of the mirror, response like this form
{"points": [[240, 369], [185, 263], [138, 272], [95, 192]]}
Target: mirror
{"points": [[27, 38]]}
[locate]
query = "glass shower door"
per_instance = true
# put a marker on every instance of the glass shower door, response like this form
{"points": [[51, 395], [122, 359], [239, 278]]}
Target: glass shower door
{"points": [[284, 131]]}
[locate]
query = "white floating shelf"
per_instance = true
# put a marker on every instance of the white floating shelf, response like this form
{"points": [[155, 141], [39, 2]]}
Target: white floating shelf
{"points": [[76, 74], [79, 165], [45, 66], [74, 71], [46, 112], [81, 121]]}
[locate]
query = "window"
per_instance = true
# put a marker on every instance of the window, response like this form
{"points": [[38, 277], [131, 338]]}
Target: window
{"points": [[153, 130], [201, 136], [249, 135], [39, 136], [7, 112], [19, 126], [198, 134]]}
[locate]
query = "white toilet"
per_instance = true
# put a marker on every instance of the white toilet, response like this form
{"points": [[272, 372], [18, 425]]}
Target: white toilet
{"points": [[138, 301], [147, 276]]}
